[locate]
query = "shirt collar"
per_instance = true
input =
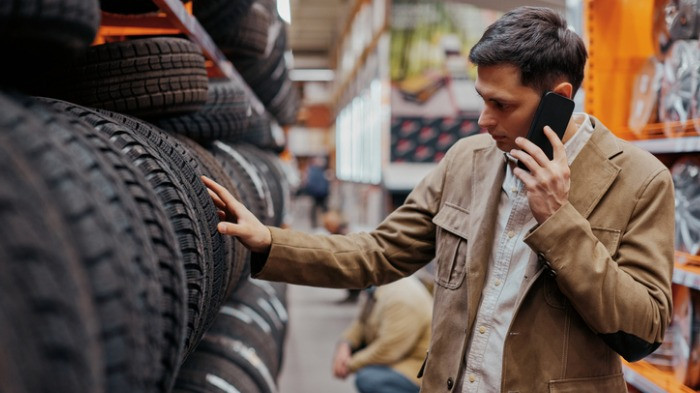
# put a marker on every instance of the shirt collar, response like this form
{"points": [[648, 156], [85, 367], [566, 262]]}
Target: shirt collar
{"points": [[573, 147]]}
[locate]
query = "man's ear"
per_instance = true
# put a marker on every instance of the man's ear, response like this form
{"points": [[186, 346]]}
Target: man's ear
{"points": [[565, 89]]}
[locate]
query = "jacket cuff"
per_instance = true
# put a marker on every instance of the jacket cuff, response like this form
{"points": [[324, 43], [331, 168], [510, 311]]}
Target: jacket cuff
{"points": [[553, 234], [259, 259]]}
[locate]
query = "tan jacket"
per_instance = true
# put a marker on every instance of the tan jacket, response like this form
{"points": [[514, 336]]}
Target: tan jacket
{"points": [[604, 284], [395, 330]]}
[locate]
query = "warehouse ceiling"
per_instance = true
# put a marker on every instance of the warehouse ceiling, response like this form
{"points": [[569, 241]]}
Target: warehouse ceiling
{"points": [[317, 24]]}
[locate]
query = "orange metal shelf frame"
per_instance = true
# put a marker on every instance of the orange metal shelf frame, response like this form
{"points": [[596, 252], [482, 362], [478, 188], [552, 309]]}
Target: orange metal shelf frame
{"points": [[620, 40], [648, 378], [174, 18]]}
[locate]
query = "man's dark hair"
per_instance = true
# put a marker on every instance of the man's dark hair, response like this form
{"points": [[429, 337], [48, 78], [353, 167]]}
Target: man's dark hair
{"points": [[538, 42]]}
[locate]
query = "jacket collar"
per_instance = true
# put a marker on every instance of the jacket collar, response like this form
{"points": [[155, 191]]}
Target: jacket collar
{"points": [[592, 172]]}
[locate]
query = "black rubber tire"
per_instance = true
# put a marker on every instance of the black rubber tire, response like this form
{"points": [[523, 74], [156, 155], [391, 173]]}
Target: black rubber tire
{"points": [[34, 33], [271, 174], [243, 355], [256, 35], [181, 158], [276, 289], [121, 267], [285, 104], [159, 232], [49, 332], [101, 164], [208, 373], [221, 12], [156, 159], [269, 79], [148, 77], [239, 27], [226, 115], [236, 253], [241, 322], [267, 305], [254, 191], [259, 71], [205, 127]]}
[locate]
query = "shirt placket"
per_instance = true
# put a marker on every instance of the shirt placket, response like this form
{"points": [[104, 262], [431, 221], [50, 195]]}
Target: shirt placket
{"points": [[497, 274]]}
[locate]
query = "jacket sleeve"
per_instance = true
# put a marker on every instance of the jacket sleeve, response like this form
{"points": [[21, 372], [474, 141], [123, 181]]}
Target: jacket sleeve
{"points": [[626, 299], [400, 245], [397, 336]]}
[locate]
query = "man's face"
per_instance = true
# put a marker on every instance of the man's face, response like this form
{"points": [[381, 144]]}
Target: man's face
{"points": [[509, 106]]}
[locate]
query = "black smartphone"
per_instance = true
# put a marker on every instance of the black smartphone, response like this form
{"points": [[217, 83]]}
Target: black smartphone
{"points": [[554, 111]]}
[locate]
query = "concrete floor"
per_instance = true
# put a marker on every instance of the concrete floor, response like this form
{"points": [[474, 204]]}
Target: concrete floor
{"points": [[316, 320]]}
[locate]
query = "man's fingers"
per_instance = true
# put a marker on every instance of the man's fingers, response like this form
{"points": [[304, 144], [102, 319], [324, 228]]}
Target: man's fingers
{"points": [[228, 228], [525, 158], [557, 145], [221, 214], [217, 201], [526, 177], [223, 194], [533, 150]]}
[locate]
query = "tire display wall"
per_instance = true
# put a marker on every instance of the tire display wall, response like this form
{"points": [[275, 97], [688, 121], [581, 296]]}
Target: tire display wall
{"points": [[113, 275]]}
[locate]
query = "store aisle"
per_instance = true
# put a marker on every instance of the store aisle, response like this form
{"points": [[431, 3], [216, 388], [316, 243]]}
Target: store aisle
{"points": [[316, 321]]}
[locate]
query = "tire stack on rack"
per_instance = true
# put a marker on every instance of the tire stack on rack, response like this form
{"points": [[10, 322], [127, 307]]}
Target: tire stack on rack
{"points": [[111, 267], [254, 38]]}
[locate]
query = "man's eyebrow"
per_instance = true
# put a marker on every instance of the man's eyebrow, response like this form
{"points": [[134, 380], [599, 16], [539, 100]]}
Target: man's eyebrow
{"points": [[493, 99]]}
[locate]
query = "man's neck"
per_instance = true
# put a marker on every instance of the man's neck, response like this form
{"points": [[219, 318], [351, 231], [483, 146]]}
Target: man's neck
{"points": [[572, 128]]}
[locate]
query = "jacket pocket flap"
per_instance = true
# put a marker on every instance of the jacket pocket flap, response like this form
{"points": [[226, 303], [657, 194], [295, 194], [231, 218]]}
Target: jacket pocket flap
{"points": [[454, 219], [612, 383]]}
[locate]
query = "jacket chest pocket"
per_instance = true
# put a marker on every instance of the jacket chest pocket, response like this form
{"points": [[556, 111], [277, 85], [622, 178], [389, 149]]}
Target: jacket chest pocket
{"points": [[451, 237]]}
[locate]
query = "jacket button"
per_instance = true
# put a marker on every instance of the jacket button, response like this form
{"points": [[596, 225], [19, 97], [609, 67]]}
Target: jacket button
{"points": [[450, 383]]}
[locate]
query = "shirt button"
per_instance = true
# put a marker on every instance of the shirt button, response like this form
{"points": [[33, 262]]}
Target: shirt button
{"points": [[450, 383], [514, 189], [497, 282], [511, 234], [472, 378], [482, 329]]}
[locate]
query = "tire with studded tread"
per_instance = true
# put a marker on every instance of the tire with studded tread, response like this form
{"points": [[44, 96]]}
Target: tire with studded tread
{"points": [[147, 77], [156, 159]]}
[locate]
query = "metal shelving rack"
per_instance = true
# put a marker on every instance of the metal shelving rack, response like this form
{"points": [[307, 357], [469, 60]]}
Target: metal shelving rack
{"points": [[615, 30]]}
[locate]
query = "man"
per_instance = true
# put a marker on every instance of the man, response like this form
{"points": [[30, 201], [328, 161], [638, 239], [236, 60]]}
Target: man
{"points": [[386, 344], [543, 277]]}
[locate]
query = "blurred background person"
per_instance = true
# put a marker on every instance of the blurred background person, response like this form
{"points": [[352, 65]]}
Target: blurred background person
{"points": [[317, 186], [386, 344]]}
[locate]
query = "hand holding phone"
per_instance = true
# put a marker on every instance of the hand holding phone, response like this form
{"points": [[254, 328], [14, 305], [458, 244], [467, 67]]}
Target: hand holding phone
{"points": [[554, 111]]}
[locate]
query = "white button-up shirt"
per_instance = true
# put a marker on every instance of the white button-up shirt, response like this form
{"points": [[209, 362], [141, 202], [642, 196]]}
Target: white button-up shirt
{"points": [[512, 267]]}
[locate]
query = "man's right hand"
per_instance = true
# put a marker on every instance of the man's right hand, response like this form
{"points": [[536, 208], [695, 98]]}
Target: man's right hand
{"points": [[341, 359], [236, 220]]}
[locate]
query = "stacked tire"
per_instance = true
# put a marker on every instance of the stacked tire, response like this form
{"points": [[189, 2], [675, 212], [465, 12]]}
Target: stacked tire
{"points": [[112, 270]]}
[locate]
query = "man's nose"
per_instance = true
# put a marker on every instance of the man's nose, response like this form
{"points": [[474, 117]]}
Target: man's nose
{"points": [[486, 120]]}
